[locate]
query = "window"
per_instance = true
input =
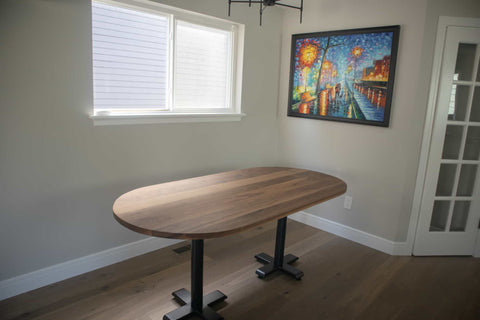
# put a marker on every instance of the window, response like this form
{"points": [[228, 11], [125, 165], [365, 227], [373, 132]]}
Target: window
{"points": [[154, 63]]}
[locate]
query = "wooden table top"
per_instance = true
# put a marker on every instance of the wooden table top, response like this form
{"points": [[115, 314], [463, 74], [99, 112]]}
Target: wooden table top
{"points": [[224, 203]]}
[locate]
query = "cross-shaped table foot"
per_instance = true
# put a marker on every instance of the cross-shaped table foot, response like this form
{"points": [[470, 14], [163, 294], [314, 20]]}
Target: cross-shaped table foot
{"points": [[270, 267], [279, 262], [184, 298], [193, 302]]}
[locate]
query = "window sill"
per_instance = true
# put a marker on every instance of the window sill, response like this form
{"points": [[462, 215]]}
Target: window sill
{"points": [[105, 120]]}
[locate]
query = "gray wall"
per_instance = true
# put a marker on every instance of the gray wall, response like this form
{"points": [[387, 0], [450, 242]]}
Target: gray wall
{"points": [[378, 164], [59, 175]]}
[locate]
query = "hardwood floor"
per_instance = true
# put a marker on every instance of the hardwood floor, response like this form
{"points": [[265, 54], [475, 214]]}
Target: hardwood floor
{"points": [[343, 280]]}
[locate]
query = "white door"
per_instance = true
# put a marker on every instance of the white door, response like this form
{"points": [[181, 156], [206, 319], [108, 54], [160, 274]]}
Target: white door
{"points": [[450, 208]]}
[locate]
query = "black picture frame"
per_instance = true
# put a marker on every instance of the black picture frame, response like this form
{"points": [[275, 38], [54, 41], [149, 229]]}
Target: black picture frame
{"points": [[344, 75]]}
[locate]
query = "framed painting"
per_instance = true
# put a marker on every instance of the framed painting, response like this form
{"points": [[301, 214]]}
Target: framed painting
{"points": [[344, 75]]}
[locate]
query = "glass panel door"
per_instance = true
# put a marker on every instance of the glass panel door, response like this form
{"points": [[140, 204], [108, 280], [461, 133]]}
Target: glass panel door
{"points": [[461, 147], [449, 210]]}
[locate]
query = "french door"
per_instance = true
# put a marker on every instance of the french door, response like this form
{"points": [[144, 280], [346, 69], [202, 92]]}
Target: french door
{"points": [[450, 207]]}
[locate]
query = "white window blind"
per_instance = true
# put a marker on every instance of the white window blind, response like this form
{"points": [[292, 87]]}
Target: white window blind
{"points": [[130, 59], [202, 61]]}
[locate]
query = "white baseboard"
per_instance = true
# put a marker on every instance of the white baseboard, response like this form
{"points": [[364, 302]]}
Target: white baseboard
{"points": [[39, 278], [367, 239]]}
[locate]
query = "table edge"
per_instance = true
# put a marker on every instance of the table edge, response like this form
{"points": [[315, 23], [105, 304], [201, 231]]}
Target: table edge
{"points": [[218, 234]]}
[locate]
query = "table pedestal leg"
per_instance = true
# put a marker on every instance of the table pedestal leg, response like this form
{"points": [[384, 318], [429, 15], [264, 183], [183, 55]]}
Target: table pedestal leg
{"points": [[279, 261], [195, 303]]}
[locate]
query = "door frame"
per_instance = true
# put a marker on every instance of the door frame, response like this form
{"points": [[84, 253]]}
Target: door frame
{"points": [[443, 24]]}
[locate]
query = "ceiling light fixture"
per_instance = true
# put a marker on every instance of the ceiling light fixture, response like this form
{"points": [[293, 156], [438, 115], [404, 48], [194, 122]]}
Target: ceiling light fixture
{"points": [[264, 4]]}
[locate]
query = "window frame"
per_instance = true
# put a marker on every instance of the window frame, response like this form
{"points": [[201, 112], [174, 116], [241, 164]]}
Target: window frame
{"points": [[232, 112]]}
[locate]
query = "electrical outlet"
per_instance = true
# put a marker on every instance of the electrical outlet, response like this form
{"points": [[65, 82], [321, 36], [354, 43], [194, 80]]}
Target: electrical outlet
{"points": [[347, 204]]}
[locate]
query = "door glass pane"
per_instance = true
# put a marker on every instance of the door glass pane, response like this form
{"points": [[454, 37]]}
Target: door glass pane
{"points": [[472, 144], [446, 178], [467, 180], [475, 113], [458, 103], [460, 215], [453, 138], [439, 215], [465, 58]]}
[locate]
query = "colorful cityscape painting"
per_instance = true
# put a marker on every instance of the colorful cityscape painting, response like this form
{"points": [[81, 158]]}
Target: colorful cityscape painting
{"points": [[344, 75]]}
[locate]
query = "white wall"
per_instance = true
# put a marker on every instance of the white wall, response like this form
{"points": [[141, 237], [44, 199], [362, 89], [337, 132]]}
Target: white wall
{"points": [[378, 164], [59, 175]]}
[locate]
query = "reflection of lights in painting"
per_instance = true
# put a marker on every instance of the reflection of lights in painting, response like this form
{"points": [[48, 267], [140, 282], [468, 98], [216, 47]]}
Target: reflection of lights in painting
{"points": [[323, 102], [304, 108]]}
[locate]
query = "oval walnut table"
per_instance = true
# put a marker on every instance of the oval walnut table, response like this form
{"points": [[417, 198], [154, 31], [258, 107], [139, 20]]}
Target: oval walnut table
{"points": [[222, 204]]}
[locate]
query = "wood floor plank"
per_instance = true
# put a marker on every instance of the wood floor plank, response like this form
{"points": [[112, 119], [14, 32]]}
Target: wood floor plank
{"points": [[343, 280]]}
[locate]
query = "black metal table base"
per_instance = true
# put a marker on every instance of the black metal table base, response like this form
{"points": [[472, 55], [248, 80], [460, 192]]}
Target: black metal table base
{"points": [[195, 303], [270, 267], [279, 262], [184, 298]]}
